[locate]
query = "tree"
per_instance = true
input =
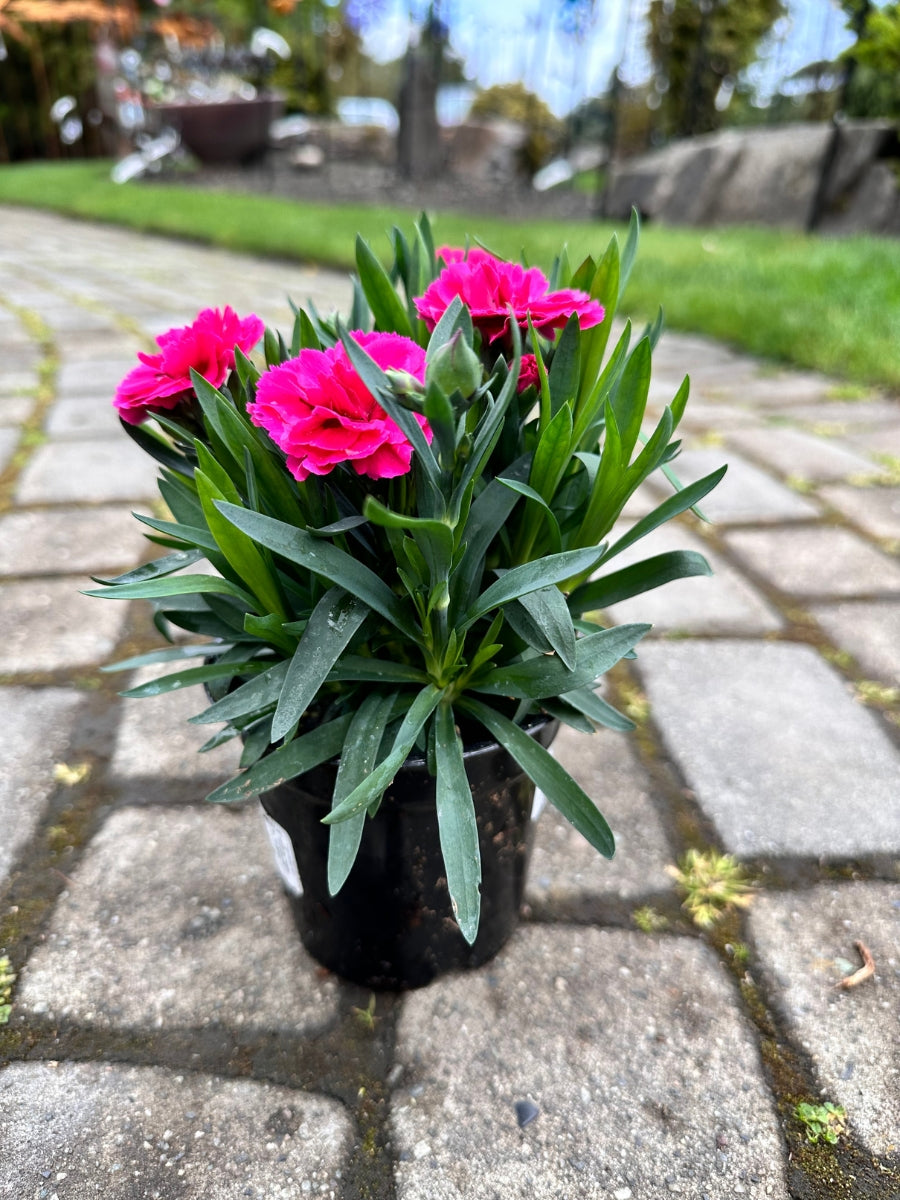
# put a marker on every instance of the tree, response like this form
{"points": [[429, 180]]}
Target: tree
{"points": [[514, 102], [872, 79], [697, 46]]}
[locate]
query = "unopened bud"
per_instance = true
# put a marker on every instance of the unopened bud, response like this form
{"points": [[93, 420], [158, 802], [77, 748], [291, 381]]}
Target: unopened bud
{"points": [[455, 367]]}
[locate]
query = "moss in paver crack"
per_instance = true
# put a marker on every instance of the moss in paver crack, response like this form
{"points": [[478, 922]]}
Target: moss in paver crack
{"points": [[32, 429], [7, 979]]}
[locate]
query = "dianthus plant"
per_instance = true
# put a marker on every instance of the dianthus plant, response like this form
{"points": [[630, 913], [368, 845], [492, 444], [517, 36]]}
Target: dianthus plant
{"points": [[412, 520]]}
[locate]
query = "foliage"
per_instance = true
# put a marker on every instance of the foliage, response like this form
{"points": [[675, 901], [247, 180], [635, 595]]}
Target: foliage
{"points": [[7, 979], [695, 48], [712, 883], [823, 1122], [830, 304], [415, 606], [873, 62], [514, 102]]}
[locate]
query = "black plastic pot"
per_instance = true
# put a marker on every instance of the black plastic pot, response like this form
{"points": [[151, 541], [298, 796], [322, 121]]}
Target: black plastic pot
{"points": [[391, 924]]}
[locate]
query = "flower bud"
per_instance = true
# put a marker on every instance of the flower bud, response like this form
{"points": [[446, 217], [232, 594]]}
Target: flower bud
{"points": [[455, 367]]}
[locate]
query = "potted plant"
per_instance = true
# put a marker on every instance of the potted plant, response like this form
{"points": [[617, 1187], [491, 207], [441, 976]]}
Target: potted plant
{"points": [[409, 518]]}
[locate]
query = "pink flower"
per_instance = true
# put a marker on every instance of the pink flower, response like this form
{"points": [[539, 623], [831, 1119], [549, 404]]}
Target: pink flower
{"points": [[163, 381], [528, 374], [319, 412], [489, 287], [455, 254]]}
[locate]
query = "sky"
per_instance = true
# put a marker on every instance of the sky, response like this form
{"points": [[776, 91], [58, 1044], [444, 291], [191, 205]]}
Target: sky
{"points": [[505, 40]]}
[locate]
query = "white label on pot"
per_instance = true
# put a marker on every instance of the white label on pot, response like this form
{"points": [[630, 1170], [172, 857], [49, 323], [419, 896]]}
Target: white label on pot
{"points": [[283, 853], [539, 804]]}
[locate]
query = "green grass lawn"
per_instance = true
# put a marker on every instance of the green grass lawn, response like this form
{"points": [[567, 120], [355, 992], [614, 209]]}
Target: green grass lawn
{"points": [[828, 304]]}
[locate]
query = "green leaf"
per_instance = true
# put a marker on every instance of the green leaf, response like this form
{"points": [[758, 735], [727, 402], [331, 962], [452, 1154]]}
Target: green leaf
{"points": [[156, 569], [373, 787], [548, 608], [194, 675], [249, 698], [241, 551], [179, 585], [193, 534], [434, 538], [387, 308], [554, 781], [364, 736], [545, 675], [587, 701], [332, 624], [629, 399], [324, 560], [298, 756], [640, 577], [553, 454], [356, 668], [630, 252], [170, 654], [680, 401], [528, 577], [456, 825], [671, 507], [565, 369], [157, 447], [605, 288]]}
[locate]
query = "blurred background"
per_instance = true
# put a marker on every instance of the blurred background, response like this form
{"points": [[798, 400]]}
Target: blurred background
{"points": [[531, 98]]}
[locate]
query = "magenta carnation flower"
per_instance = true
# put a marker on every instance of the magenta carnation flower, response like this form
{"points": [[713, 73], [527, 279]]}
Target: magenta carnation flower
{"points": [[528, 374], [163, 380], [489, 287], [319, 412]]}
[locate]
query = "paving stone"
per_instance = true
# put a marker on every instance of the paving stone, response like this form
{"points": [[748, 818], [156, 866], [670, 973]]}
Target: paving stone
{"points": [[815, 562], [16, 381], [778, 390], [882, 441], [36, 726], [87, 471], [175, 917], [779, 755], [93, 377], [564, 867], [14, 410], [155, 739], [792, 452], [722, 603], [75, 1130], [47, 625], [633, 1051], [876, 510], [745, 494], [74, 318], [867, 629], [853, 414], [84, 417], [9, 439], [806, 945], [87, 541], [89, 348]]}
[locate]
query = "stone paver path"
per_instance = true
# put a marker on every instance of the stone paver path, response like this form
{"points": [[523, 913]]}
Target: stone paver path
{"points": [[168, 1036]]}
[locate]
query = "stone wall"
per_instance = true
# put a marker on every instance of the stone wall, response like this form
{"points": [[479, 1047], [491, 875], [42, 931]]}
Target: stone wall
{"points": [[841, 179]]}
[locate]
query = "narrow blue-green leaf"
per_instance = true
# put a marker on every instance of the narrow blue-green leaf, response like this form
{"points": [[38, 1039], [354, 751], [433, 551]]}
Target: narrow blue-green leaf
{"points": [[354, 667], [605, 288], [251, 697], [194, 675], [271, 628], [387, 308], [324, 560], [456, 825], [332, 624], [298, 756], [679, 402], [549, 515], [588, 419], [545, 675], [565, 370], [372, 788], [528, 577], [178, 585], [156, 569], [587, 701], [629, 399], [554, 781], [671, 507], [192, 534], [364, 736], [553, 454], [569, 715], [170, 654], [549, 610], [453, 318], [629, 253]]}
